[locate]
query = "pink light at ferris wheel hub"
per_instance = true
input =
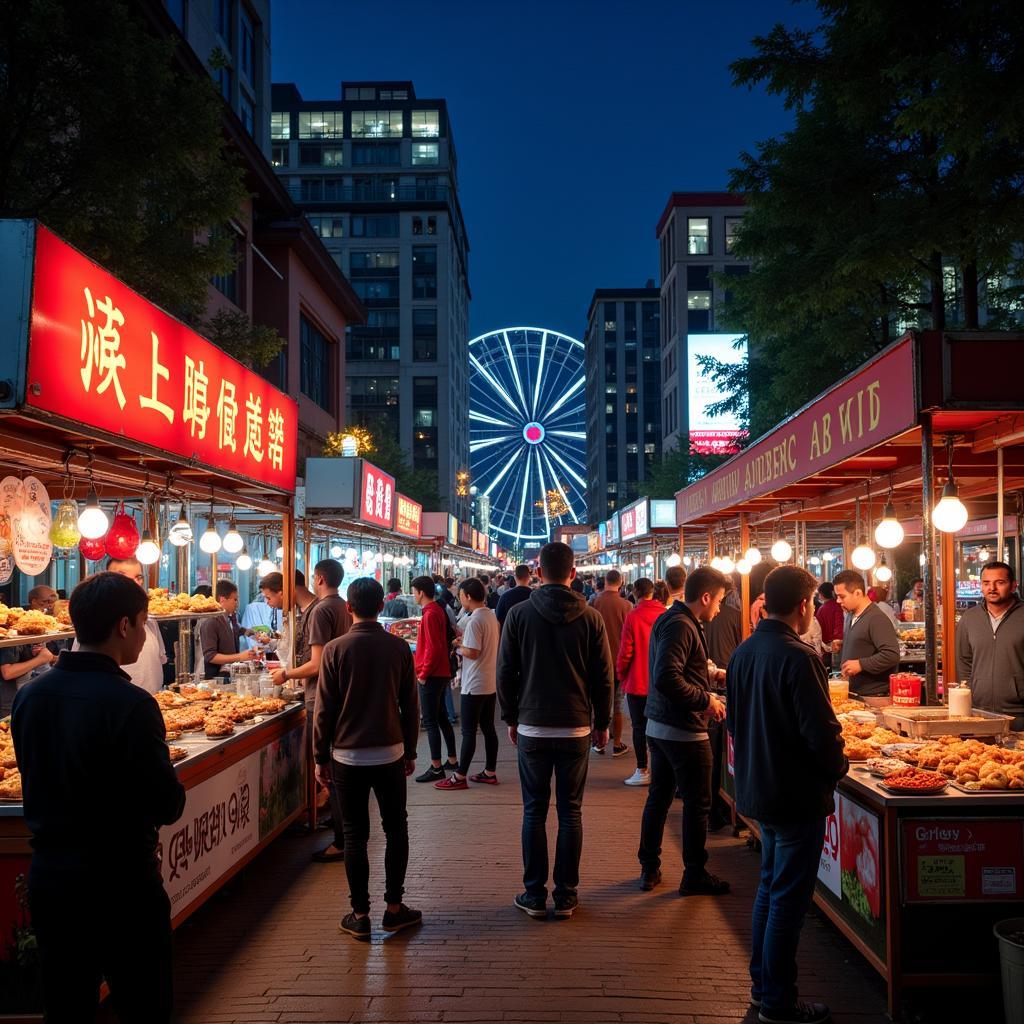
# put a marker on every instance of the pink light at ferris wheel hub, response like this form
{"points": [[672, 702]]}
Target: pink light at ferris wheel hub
{"points": [[533, 433]]}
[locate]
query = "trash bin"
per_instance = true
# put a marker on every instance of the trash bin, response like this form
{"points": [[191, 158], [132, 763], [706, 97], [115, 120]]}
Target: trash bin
{"points": [[1010, 934]]}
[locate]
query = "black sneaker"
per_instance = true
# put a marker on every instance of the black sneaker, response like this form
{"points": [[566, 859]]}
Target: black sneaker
{"points": [[403, 917], [704, 885], [619, 750], [649, 879], [565, 906], [357, 927], [532, 905], [432, 774], [800, 1013]]}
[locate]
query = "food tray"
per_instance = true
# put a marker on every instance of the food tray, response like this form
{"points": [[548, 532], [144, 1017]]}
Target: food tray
{"points": [[929, 722], [1016, 793], [901, 791], [36, 638]]}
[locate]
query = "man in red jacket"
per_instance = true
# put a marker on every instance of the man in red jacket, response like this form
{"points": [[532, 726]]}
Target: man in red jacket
{"points": [[434, 674], [830, 616], [632, 668]]}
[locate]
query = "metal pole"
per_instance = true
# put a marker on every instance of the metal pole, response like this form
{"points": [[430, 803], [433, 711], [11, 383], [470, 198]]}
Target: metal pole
{"points": [[744, 580], [1000, 525], [928, 574]]}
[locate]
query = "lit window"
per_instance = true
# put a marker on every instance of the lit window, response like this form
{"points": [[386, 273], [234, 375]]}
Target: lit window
{"points": [[280, 125], [698, 233], [333, 157], [426, 124], [698, 300], [279, 156], [328, 227], [425, 154], [321, 124], [376, 124], [609, 325]]}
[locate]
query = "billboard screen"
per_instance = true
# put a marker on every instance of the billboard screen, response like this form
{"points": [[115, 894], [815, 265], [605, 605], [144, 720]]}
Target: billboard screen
{"points": [[711, 435]]}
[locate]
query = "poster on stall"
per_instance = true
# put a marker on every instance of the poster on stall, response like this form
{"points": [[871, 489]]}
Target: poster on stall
{"points": [[828, 867], [282, 779], [218, 828]]}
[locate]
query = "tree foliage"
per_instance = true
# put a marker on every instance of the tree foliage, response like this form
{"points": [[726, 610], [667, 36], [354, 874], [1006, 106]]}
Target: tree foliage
{"points": [[255, 345], [898, 192], [105, 142], [677, 468]]}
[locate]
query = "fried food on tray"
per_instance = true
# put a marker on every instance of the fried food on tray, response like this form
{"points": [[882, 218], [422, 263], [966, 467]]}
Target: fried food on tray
{"points": [[193, 694], [841, 707], [217, 727], [10, 786], [32, 623], [858, 750], [914, 778], [7, 757], [177, 753], [185, 718]]}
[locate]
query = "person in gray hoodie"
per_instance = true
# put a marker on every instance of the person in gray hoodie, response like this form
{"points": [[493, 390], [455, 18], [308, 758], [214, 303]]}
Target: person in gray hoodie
{"points": [[870, 650], [990, 646]]}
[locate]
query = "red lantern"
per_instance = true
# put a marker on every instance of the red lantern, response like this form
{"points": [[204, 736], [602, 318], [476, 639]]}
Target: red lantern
{"points": [[123, 535], [93, 549]]}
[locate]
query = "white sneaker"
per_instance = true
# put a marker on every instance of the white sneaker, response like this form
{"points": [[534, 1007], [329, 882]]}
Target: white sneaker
{"points": [[639, 778]]}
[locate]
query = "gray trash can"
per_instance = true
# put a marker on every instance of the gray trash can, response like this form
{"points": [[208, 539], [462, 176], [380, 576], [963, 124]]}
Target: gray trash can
{"points": [[1010, 934]]}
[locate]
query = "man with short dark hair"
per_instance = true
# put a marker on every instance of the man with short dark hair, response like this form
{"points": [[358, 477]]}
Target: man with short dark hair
{"points": [[555, 677], [366, 727], [679, 705], [675, 580], [98, 783], [514, 595], [395, 604], [148, 670], [829, 615], [219, 635], [788, 759], [870, 649], [613, 608], [598, 588]]}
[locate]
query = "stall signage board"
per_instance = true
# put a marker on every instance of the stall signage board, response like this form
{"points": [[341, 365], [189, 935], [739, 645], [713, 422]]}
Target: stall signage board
{"points": [[408, 516], [861, 412], [962, 859], [453, 530], [376, 496], [633, 520], [613, 530], [102, 356]]}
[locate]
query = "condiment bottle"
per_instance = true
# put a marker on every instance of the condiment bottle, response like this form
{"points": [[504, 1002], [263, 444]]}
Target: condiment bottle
{"points": [[960, 700]]}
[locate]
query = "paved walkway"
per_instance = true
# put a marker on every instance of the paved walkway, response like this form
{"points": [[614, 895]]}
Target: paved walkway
{"points": [[267, 948]]}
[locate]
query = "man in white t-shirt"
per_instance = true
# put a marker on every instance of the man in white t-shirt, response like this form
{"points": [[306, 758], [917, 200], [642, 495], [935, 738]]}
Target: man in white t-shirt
{"points": [[148, 671], [479, 650]]}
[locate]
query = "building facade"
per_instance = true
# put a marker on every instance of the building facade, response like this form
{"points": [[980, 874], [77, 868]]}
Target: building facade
{"points": [[376, 174], [695, 238], [624, 407]]}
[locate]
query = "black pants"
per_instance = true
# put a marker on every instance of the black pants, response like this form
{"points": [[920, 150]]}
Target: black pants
{"points": [[89, 927], [719, 808], [435, 717], [478, 709], [636, 704], [567, 760], [353, 786], [337, 819], [686, 765]]}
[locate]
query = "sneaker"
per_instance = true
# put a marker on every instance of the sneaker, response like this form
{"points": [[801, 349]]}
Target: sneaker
{"points": [[534, 906], [452, 783], [704, 885], [432, 774], [403, 917], [800, 1013], [597, 750], [638, 778], [619, 749], [484, 779], [357, 927], [755, 1000], [566, 906], [649, 879]]}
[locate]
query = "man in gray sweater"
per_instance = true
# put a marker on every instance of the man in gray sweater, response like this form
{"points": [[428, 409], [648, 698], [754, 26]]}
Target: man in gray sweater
{"points": [[990, 645], [871, 650]]}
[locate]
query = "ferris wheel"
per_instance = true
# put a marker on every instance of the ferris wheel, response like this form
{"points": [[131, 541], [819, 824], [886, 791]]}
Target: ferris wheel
{"points": [[527, 436]]}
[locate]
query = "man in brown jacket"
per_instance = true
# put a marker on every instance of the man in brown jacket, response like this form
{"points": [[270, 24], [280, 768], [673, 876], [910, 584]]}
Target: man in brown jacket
{"points": [[366, 724], [613, 608]]}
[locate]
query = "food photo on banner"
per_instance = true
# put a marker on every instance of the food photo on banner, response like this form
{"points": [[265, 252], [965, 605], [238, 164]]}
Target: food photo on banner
{"points": [[282, 778]]}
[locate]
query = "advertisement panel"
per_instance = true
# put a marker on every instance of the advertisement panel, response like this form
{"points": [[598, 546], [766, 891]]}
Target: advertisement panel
{"points": [[453, 530], [663, 513], [613, 529], [711, 434], [101, 355], [377, 496], [633, 520], [408, 516]]}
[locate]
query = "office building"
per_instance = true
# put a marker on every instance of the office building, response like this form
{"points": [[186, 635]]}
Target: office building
{"points": [[624, 406], [695, 238], [376, 174]]}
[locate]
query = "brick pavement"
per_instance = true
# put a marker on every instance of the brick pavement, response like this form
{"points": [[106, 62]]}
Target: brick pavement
{"points": [[267, 948]]}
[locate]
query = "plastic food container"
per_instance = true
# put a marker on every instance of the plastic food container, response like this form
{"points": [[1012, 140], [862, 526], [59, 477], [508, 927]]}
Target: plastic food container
{"points": [[905, 689], [839, 689]]}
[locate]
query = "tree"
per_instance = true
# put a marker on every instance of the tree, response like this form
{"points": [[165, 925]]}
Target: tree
{"points": [[903, 175], [105, 142], [255, 345], [677, 468]]}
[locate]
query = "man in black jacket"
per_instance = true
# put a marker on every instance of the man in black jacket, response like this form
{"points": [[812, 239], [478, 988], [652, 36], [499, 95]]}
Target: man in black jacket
{"points": [[554, 678], [98, 783], [788, 759], [679, 707]]}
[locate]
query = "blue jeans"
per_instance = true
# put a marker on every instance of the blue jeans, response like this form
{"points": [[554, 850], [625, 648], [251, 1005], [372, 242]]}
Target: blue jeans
{"points": [[790, 855], [567, 759]]}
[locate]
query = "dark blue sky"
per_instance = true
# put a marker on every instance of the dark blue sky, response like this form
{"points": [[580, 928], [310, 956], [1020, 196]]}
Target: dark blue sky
{"points": [[573, 121]]}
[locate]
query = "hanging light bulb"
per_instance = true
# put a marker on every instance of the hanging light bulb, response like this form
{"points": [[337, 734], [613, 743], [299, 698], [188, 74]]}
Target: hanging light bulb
{"points": [[814, 560], [716, 563], [148, 550], [862, 556], [180, 533], [93, 521], [233, 540], [950, 514], [673, 560], [752, 555], [889, 532], [279, 553], [726, 565], [743, 567], [983, 553], [210, 541], [351, 554], [827, 556], [244, 561], [921, 559], [336, 551], [782, 551], [883, 573], [687, 561], [265, 567], [388, 557]]}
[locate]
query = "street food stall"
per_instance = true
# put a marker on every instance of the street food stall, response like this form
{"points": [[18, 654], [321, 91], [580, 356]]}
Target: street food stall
{"points": [[107, 400], [927, 839]]}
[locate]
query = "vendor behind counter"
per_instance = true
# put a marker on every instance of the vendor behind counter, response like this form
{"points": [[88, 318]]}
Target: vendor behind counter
{"points": [[870, 650]]}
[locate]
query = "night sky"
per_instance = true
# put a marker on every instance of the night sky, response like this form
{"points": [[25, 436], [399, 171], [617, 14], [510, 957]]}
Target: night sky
{"points": [[573, 121]]}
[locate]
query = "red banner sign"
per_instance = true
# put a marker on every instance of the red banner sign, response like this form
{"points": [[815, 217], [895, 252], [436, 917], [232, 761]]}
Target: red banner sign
{"points": [[875, 404], [633, 521], [376, 496], [101, 355], [963, 859], [408, 517]]}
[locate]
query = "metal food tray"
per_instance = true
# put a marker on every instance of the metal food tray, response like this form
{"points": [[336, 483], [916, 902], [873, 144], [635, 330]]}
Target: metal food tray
{"points": [[36, 638], [1016, 793], [929, 722]]}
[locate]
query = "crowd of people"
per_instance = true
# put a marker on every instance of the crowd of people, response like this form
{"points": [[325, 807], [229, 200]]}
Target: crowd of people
{"points": [[533, 647]]}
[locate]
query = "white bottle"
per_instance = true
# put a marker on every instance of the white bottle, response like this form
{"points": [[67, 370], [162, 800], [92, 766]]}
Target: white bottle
{"points": [[960, 700]]}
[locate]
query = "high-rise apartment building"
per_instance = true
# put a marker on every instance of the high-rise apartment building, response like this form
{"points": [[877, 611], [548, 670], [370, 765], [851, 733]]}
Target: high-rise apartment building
{"points": [[624, 425], [375, 173], [695, 238]]}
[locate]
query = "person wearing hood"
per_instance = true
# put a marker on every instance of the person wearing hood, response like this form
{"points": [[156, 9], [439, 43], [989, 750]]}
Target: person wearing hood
{"points": [[631, 667], [554, 679]]}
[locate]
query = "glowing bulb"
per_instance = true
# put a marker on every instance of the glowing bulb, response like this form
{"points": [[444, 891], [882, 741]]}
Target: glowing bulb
{"points": [[984, 554], [210, 541], [920, 559], [93, 522], [244, 561], [265, 567], [883, 573], [687, 561], [233, 542], [351, 554], [389, 557], [743, 567], [863, 557], [279, 553], [889, 532], [335, 551], [673, 560], [726, 565], [180, 533], [782, 551], [752, 555], [716, 563], [950, 515], [828, 557], [814, 560], [148, 550]]}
